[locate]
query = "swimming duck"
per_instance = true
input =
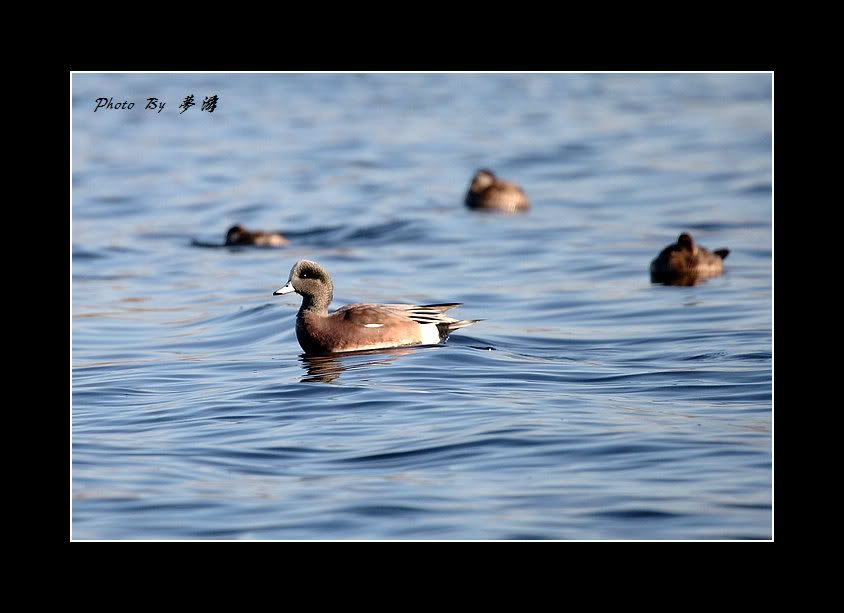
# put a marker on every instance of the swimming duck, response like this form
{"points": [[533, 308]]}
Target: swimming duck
{"points": [[238, 235], [358, 327], [489, 192], [686, 260]]}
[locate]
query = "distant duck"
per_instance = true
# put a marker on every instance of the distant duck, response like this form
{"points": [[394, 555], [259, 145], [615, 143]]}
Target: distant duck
{"points": [[360, 327], [489, 192], [238, 235], [685, 262]]}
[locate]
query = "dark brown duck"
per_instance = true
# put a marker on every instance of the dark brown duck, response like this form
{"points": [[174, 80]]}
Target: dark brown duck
{"points": [[238, 235], [489, 192], [687, 261]]}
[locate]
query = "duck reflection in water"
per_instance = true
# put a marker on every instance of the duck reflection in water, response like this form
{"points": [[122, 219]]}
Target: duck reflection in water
{"points": [[326, 368], [679, 279]]}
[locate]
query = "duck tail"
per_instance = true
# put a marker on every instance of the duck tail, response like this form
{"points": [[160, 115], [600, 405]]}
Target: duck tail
{"points": [[447, 327]]}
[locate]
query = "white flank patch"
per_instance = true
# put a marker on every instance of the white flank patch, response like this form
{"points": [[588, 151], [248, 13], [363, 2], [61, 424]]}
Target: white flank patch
{"points": [[430, 334], [373, 325]]}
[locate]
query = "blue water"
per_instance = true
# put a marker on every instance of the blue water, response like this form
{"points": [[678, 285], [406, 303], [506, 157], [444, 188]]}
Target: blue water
{"points": [[589, 403]]}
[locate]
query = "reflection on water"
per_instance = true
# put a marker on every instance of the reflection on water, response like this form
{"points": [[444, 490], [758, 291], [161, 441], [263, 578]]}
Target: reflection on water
{"points": [[681, 278], [326, 368]]}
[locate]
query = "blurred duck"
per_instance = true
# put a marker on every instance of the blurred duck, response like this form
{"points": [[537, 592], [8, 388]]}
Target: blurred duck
{"points": [[238, 235], [489, 192], [685, 262]]}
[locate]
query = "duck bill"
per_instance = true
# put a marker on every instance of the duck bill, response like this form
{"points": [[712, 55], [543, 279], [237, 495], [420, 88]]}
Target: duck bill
{"points": [[287, 289]]}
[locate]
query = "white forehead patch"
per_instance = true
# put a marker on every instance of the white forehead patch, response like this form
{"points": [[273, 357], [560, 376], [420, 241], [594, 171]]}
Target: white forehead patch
{"points": [[373, 325]]}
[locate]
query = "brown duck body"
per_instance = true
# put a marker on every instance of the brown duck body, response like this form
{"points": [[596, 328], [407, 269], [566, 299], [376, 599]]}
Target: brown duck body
{"points": [[489, 192], [686, 259], [238, 235], [360, 327]]}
